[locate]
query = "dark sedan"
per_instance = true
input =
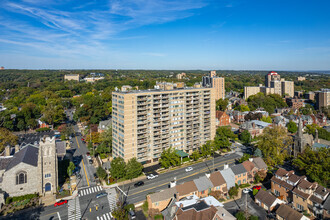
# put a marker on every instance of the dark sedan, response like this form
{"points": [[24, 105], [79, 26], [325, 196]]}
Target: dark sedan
{"points": [[140, 183]]}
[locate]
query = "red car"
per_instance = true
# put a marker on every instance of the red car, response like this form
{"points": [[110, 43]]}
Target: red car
{"points": [[61, 202], [82, 139], [257, 187]]}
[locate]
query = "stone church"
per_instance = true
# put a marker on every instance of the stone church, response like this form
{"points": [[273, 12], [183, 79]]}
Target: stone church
{"points": [[301, 140], [31, 169]]}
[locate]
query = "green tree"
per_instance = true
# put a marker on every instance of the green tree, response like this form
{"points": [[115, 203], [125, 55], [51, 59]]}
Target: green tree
{"points": [[255, 191], [244, 158], [206, 149], [195, 155], [221, 104], [266, 119], [292, 127], [133, 169], [233, 191], [169, 158], [21, 125], [7, 138], [257, 153], [101, 173], [242, 108], [274, 144], [240, 215], [245, 137], [70, 169], [118, 168], [253, 217]]}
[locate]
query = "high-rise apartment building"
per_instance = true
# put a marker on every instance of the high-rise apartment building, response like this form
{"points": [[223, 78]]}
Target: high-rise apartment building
{"points": [[218, 83], [322, 98], [273, 85], [144, 123]]}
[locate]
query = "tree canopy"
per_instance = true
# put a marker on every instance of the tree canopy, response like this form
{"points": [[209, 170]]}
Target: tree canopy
{"points": [[292, 127], [7, 138], [268, 102]]}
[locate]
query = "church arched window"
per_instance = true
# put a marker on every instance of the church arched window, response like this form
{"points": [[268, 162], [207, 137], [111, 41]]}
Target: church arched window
{"points": [[21, 178]]}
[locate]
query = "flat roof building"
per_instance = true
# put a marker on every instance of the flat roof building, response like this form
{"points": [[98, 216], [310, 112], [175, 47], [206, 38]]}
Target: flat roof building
{"points": [[144, 123]]}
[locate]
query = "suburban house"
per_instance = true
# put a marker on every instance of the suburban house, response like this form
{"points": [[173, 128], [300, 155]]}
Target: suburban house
{"points": [[285, 212], [204, 186], [251, 170], [254, 127], [280, 121], [186, 189], [267, 200], [219, 183], [240, 174], [104, 125], [260, 164], [160, 200], [222, 119]]}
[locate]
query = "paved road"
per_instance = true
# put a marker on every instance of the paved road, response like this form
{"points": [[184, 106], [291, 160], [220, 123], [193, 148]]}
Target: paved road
{"points": [[138, 194], [245, 202]]}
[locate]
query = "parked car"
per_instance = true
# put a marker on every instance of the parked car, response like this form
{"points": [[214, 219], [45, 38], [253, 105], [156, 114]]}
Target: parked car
{"points": [[131, 214], [90, 161], [246, 190], [151, 176], [101, 195], [188, 169], [256, 187], [61, 202], [140, 183]]}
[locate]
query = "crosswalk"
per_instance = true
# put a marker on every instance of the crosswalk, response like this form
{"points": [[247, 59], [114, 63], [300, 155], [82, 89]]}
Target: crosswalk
{"points": [[106, 216], [74, 209], [89, 190], [112, 198]]}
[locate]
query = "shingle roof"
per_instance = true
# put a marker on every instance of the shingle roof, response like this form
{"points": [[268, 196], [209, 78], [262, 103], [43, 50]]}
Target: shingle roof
{"points": [[288, 213], [304, 184], [238, 169], [198, 211], [321, 190], [326, 204], [229, 177], [186, 188], [265, 197], [260, 163], [217, 179], [163, 195], [28, 154], [294, 178], [248, 165], [300, 193], [4, 161], [203, 183], [60, 148], [282, 183]]}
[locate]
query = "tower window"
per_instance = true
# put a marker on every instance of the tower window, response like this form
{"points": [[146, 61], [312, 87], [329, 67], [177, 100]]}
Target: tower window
{"points": [[21, 178]]}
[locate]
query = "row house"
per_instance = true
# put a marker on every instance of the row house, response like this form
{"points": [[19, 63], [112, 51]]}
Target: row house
{"points": [[222, 119], [285, 212], [219, 183], [283, 182], [186, 189], [204, 186], [254, 127], [253, 166], [304, 195], [240, 174], [319, 119]]}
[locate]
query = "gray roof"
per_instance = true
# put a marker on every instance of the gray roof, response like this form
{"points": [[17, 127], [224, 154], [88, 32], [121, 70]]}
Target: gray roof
{"points": [[203, 183], [105, 124], [229, 177], [238, 169], [60, 148], [28, 154], [326, 204], [163, 195], [260, 163], [4, 161]]}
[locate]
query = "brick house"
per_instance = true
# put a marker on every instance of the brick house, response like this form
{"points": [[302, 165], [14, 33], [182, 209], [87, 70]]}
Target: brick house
{"points": [[283, 182], [222, 119], [218, 182], [285, 212], [204, 186], [160, 200], [251, 170]]}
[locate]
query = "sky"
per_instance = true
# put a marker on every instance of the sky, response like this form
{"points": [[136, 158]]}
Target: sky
{"points": [[165, 34]]}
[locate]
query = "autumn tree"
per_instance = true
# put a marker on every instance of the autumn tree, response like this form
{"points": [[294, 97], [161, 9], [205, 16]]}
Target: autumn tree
{"points": [[7, 138], [274, 144]]}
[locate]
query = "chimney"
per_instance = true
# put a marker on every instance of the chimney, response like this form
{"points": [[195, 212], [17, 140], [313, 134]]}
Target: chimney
{"points": [[226, 166], [207, 175], [16, 148], [7, 150], [251, 159]]}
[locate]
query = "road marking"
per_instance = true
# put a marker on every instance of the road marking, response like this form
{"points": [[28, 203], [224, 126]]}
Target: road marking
{"points": [[205, 169], [83, 162], [98, 218], [50, 213], [59, 217], [92, 189]]}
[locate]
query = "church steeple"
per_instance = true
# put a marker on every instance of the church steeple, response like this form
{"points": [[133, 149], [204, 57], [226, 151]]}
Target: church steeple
{"points": [[300, 127]]}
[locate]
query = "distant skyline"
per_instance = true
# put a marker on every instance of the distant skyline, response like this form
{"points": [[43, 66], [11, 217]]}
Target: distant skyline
{"points": [[165, 34]]}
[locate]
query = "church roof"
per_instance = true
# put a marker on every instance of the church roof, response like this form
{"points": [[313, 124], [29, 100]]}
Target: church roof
{"points": [[28, 154]]}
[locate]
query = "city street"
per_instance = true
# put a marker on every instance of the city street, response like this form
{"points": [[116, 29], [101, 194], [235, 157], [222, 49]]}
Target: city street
{"points": [[138, 194]]}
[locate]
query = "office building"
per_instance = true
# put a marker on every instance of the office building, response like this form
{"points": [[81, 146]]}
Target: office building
{"points": [[218, 83], [322, 98], [144, 123]]}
